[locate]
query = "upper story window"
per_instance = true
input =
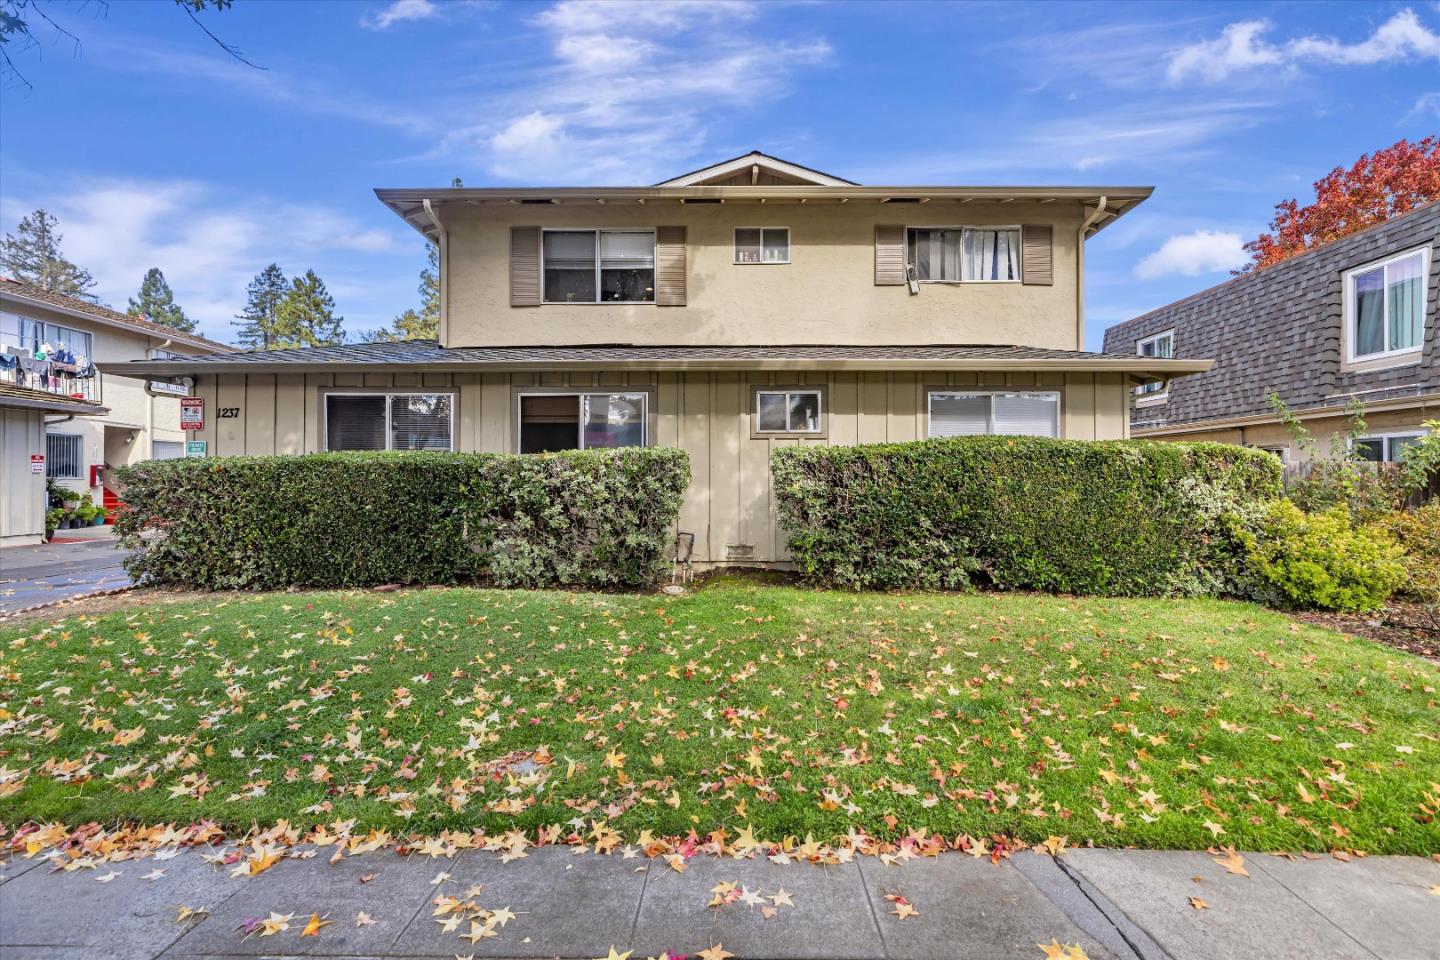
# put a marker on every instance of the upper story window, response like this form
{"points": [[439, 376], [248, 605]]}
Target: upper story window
{"points": [[48, 356], [1385, 306], [965, 413], [762, 244], [964, 254], [599, 266], [389, 421], [1160, 346]]}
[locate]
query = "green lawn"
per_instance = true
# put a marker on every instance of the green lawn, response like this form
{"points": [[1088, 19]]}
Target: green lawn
{"points": [[1124, 722]]}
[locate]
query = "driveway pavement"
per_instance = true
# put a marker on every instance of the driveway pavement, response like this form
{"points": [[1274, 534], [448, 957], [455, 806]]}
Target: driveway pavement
{"points": [[31, 576], [555, 902]]}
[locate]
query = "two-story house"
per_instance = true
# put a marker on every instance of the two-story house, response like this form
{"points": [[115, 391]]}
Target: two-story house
{"points": [[1353, 320], [53, 343], [750, 304]]}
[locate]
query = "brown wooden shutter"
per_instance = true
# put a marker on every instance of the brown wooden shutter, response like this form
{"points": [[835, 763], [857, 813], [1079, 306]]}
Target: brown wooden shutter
{"points": [[889, 256], [1037, 260], [524, 266], [670, 266]]}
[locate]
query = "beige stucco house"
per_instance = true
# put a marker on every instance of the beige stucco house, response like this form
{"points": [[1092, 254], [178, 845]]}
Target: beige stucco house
{"points": [[123, 422], [747, 305]]}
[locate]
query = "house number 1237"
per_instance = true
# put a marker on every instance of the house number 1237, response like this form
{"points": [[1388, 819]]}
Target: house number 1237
{"points": [[228, 413]]}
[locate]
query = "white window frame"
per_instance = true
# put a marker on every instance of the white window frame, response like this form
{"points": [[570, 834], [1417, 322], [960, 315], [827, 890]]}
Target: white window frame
{"points": [[762, 262], [1019, 255], [930, 393], [389, 396], [655, 268], [1348, 307], [1387, 442], [50, 461], [787, 393], [644, 396], [1154, 392]]}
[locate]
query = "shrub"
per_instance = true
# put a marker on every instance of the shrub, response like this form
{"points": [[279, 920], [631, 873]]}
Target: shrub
{"points": [[1418, 533], [1322, 560], [1121, 517], [595, 518]]}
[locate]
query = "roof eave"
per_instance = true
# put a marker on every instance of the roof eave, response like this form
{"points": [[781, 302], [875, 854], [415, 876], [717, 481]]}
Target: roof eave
{"points": [[1140, 366]]}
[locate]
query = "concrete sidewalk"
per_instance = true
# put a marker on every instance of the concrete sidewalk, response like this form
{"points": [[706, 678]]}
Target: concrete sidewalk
{"points": [[80, 562], [1100, 904]]}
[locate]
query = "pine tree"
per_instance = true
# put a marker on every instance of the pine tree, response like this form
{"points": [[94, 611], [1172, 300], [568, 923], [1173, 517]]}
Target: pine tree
{"points": [[260, 322], [32, 255], [424, 325], [307, 315], [156, 303]]}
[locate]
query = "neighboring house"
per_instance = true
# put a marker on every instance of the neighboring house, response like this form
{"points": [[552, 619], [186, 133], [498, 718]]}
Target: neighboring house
{"points": [[23, 413], [52, 343], [1355, 319], [752, 304]]}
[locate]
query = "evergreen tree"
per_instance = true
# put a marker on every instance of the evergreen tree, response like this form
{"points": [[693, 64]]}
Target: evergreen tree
{"points": [[424, 325], [32, 255], [156, 303], [307, 315], [260, 322]]}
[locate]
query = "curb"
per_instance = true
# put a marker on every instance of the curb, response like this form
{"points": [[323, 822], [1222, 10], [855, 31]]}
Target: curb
{"points": [[113, 591]]}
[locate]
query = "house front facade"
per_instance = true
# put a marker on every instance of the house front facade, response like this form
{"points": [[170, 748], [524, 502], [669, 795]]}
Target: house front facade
{"points": [[748, 305], [1355, 320], [55, 344]]}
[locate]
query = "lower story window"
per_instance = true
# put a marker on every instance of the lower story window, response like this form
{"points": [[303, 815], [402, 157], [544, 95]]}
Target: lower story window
{"points": [[582, 421], [961, 413], [1387, 448], [64, 456], [389, 421], [787, 411]]}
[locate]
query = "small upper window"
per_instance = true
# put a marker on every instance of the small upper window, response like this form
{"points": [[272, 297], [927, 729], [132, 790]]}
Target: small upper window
{"points": [[788, 411], [964, 254], [762, 244], [1385, 306], [1160, 346]]}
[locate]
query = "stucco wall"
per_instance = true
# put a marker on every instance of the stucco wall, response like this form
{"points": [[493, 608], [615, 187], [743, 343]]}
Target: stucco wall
{"points": [[826, 294], [729, 506], [1323, 429]]}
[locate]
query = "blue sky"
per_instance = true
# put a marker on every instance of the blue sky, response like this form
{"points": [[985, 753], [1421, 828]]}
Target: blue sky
{"points": [[154, 149]]}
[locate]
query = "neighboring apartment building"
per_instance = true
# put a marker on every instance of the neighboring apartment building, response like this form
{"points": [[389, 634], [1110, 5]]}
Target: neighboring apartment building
{"points": [[52, 343], [1355, 319], [748, 305], [23, 413]]}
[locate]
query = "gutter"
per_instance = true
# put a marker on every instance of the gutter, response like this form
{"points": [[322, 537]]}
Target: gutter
{"points": [[443, 241], [1422, 403]]}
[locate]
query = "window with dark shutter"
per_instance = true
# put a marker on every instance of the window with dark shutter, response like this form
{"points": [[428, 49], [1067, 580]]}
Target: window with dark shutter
{"points": [[889, 256], [1037, 255], [524, 266]]}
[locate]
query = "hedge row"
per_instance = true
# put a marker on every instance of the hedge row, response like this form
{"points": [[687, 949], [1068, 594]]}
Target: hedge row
{"points": [[1109, 518], [587, 518]]}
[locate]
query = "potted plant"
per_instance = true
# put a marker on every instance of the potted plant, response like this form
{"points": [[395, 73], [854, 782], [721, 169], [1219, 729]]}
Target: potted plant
{"points": [[70, 500], [53, 518], [98, 520]]}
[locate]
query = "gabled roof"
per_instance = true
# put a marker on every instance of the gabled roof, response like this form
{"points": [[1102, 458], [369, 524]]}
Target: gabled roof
{"points": [[28, 398], [23, 292], [429, 355], [750, 167]]}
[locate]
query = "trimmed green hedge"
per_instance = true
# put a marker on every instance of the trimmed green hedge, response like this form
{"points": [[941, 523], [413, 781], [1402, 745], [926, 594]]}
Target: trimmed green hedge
{"points": [[1109, 518], [595, 518]]}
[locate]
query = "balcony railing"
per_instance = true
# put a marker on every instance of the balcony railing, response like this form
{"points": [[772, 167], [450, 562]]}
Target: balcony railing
{"points": [[63, 379]]}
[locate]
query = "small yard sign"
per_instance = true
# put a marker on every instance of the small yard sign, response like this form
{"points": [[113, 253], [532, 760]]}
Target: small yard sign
{"points": [[37, 463], [194, 448], [192, 413]]}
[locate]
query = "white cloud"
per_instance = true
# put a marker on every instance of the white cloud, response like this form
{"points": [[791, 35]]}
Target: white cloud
{"points": [[631, 90], [1191, 254], [1427, 104], [398, 12], [1241, 47], [208, 242]]}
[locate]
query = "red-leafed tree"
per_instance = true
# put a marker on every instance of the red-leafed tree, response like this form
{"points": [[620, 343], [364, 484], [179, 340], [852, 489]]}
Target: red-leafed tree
{"points": [[1379, 186]]}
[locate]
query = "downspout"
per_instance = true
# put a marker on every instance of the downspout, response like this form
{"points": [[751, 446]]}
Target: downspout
{"points": [[1089, 222], [443, 241]]}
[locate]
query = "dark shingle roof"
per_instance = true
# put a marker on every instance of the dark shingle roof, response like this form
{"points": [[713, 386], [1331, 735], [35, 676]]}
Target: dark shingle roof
{"points": [[428, 353], [32, 292]]}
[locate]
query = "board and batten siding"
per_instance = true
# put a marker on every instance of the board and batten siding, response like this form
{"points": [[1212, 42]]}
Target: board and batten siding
{"points": [[730, 507]]}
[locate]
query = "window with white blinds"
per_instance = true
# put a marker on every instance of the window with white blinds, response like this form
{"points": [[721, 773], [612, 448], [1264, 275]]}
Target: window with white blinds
{"points": [[961, 414], [389, 421], [64, 456], [598, 266]]}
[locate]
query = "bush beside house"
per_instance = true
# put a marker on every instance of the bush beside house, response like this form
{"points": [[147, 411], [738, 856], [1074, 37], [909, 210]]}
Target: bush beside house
{"points": [[597, 518], [1105, 518]]}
